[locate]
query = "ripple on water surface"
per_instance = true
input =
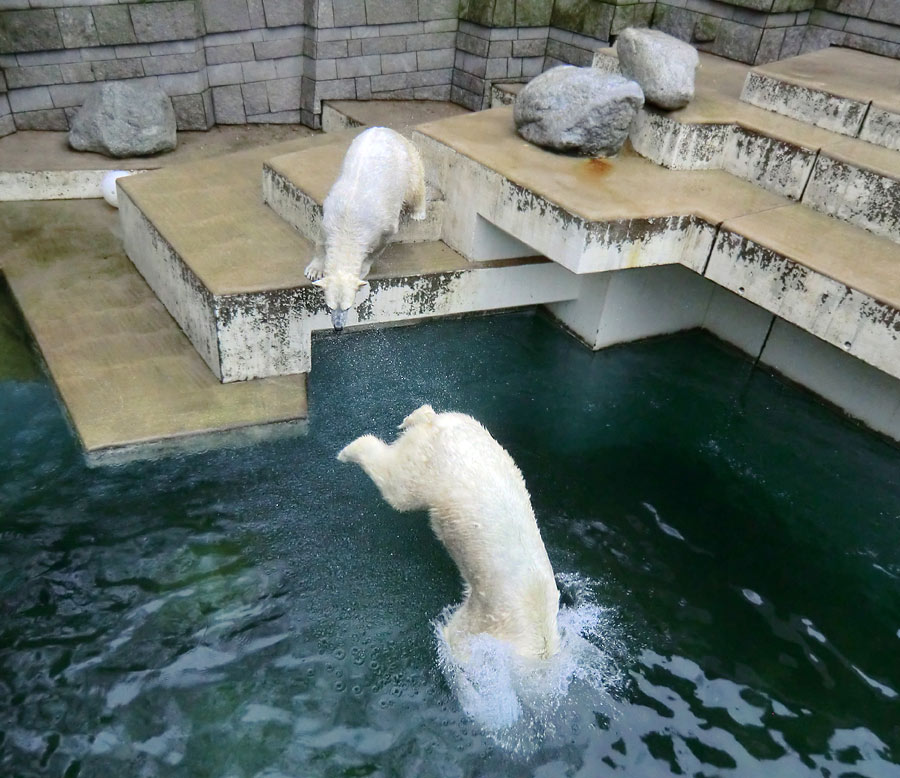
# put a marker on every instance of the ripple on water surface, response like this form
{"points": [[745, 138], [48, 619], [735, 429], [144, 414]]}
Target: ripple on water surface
{"points": [[728, 551]]}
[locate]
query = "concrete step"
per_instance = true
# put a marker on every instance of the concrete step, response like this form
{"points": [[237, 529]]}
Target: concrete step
{"points": [[846, 178], [230, 270], [399, 115], [843, 90], [127, 374], [832, 279], [295, 187]]}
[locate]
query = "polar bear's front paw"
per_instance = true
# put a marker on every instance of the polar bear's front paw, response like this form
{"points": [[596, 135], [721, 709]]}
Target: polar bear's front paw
{"points": [[419, 215], [314, 270], [353, 452]]}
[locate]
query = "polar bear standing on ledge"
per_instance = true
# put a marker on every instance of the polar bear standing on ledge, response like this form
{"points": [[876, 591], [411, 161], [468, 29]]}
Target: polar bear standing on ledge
{"points": [[481, 511], [382, 172]]}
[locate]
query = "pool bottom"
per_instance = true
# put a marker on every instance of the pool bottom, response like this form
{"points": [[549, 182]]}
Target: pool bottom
{"points": [[260, 611]]}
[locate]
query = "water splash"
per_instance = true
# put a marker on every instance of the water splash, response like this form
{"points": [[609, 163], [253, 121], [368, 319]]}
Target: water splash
{"points": [[521, 705]]}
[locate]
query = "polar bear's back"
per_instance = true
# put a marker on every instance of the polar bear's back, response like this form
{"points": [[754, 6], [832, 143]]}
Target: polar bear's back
{"points": [[476, 490], [372, 184], [481, 511]]}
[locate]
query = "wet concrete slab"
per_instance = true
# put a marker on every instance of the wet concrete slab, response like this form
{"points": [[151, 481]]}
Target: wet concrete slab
{"points": [[124, 369]]}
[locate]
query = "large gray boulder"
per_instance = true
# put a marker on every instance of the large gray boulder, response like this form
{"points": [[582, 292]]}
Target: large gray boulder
{"points": [[124, 119], [664, 66], [578, 110]]}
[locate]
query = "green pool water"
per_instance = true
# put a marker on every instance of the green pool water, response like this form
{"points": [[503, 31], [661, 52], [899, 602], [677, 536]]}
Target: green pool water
{"points": [[259, 611]]}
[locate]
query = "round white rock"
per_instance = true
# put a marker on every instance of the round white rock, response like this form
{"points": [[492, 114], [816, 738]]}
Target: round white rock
{"points": [[108, 186]]}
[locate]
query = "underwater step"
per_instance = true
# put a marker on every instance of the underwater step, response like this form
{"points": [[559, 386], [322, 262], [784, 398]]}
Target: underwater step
{"points": [[843, 90], [123, 368], [295, 187]]}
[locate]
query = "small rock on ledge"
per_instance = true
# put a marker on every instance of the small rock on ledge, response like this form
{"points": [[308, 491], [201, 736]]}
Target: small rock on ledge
{"points": [[122, 119], [577, 109], [664, 66]]}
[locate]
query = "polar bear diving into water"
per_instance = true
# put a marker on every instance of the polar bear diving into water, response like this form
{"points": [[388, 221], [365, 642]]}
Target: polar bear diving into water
{"points": [[481, 511], [382, 173]]}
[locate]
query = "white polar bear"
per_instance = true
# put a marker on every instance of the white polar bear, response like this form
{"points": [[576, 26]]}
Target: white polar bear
{"points": [[382, 172], [481, 511]]}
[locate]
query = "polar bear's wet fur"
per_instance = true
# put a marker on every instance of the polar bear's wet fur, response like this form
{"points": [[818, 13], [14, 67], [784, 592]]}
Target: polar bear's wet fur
{"points": [[381, 174], [481, 511]]}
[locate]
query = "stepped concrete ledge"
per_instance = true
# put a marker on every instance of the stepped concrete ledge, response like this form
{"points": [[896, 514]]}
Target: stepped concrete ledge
{"points": [[295, 187], [124, 370], [846, 178], [828, 277], [843, 90], [230, 271], [42, 166], [399, 115]]}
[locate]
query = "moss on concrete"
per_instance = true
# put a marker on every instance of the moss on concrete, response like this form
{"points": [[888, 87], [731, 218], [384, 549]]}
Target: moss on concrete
{"points": [[17, 361], [587, 17]]}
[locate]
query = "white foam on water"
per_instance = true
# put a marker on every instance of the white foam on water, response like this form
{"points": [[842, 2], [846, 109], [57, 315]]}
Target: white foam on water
{"points": [[520, 704]]}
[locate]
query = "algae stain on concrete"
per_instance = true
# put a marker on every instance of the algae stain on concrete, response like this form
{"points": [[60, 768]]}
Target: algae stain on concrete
{"points": [[17, 361]]}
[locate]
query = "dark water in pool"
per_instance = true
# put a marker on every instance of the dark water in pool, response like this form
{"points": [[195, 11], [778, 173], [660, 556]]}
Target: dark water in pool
{"points": [[261, 612]]}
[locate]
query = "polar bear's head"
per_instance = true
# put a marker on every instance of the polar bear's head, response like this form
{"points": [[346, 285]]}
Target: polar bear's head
{"points": [[340, 294]]}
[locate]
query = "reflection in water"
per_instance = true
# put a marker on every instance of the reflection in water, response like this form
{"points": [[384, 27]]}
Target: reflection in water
{"points": [[258, 611]]}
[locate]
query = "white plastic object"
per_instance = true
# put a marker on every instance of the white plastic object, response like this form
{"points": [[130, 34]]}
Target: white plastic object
{"points": [[108, 186]]}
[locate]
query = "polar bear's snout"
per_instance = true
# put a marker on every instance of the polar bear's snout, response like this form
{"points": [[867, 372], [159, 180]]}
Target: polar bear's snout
{"points": [[339, 319], [340, 296]]}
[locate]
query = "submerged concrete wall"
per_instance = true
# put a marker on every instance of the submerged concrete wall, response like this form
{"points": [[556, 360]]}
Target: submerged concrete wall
{"points": [[274, 61]]}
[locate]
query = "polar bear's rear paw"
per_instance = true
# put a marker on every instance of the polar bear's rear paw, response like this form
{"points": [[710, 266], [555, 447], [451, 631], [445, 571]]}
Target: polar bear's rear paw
{"points": [[419, 214], [355, 451]]}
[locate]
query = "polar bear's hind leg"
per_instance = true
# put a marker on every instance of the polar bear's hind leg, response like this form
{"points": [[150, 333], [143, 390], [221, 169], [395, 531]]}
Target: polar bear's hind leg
{"points": [[415, 192]]}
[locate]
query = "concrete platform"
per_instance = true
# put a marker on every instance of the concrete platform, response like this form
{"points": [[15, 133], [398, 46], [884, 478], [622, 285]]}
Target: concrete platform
{"points": [[122, 366], [718, 131], [42, 165], [600, 215], [295, 187], [843, 90], [230, 271]]}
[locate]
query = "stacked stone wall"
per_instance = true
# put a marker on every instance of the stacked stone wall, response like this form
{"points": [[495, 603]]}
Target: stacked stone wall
{"points": [[222, 61], [868, 25], [751, 31], [245, 61]]}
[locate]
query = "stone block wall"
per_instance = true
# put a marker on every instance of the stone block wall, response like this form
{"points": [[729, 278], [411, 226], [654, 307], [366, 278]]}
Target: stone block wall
{"points": [[222, 61], [244, 61], [485, 55], [381, 49], [868, 25], [751, 31]]}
